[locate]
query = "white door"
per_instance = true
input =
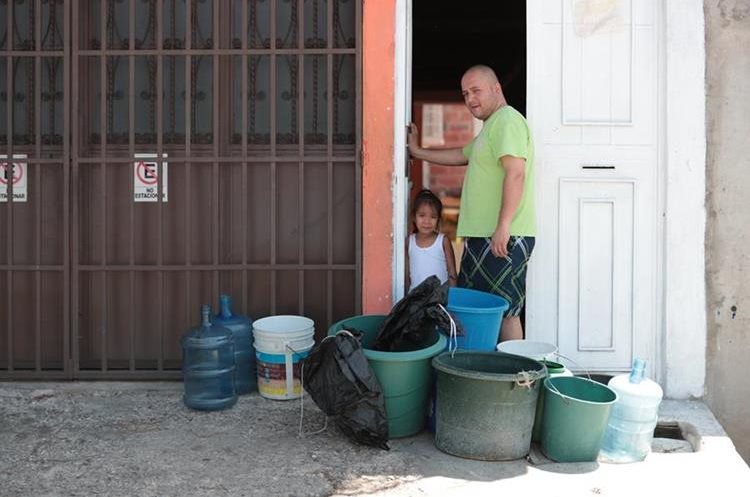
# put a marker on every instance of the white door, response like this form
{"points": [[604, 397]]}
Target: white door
{"points": [[593, 88], [402, 112]]}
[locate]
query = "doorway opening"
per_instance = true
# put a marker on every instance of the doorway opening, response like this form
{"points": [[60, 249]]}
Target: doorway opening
{"points": [[445, 42]]}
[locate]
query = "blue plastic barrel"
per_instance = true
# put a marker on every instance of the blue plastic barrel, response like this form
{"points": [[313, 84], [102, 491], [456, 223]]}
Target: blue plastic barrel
{"points": [[480, 313], [245, 375], [208, 366]]}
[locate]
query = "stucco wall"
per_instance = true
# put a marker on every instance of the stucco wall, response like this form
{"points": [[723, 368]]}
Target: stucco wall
{"points": [[728, 223]]}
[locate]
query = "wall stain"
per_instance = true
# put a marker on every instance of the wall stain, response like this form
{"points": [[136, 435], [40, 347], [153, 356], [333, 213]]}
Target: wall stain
{"points": [[733, 11]]}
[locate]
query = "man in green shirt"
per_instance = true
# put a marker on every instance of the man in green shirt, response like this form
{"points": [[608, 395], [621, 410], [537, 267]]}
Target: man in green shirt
{"points": [[497, 216]]}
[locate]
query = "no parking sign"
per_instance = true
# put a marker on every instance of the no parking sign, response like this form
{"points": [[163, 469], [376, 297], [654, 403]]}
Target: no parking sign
{"points": [[14, 173], [146, 178]]}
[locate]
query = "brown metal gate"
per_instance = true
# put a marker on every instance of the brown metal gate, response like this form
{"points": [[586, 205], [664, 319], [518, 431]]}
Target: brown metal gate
{"points": [[176, 149]]}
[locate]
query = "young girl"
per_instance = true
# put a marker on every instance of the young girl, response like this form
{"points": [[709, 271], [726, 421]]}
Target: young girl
{"points": [[429, 251]]}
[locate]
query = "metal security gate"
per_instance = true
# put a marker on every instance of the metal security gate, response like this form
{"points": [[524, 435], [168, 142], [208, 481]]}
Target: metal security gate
{"points": [[213, 148], [34, 193]]}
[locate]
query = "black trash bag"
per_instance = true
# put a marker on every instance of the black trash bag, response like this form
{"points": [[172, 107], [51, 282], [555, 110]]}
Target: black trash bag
{"points": [[413, 319], [339, 379]]}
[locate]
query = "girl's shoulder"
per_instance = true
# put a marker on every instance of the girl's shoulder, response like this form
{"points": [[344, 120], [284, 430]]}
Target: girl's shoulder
{"points": [[445, 241]]}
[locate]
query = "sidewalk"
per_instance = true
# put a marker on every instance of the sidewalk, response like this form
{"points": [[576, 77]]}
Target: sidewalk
{"points": [[122, 439]]}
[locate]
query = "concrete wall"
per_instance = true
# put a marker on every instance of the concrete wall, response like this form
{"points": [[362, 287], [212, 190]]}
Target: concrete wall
{"points": [[378, 55], [728, 222]]}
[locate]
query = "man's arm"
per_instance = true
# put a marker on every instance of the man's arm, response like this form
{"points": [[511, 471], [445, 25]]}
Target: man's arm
{"points": [[515, 173], [444, 156]]}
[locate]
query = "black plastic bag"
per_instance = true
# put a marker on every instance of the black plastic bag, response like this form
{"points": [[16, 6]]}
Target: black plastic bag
{"points": [[339, 379], [414, 318]]}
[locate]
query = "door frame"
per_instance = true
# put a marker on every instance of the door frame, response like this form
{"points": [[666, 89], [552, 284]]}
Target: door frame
{"points": [[681, 327]]}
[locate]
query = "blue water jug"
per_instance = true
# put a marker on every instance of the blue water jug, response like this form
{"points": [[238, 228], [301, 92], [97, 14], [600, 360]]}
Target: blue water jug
{"points": [[631, 424], [208, 365], [245, 375]]}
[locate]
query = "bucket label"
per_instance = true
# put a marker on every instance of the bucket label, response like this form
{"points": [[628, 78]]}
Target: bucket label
{"points": [[272, 379]]}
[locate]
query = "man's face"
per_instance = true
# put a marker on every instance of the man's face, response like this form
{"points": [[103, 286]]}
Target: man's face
{"points": [[480, 95]]}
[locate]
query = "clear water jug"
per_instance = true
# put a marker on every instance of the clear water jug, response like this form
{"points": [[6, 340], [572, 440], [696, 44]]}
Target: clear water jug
{"points": [[631, 425], [245, 375], [208, 366]]}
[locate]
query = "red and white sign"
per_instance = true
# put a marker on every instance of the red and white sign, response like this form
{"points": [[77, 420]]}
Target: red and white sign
{"points": [[15, 174], [147, 178]]}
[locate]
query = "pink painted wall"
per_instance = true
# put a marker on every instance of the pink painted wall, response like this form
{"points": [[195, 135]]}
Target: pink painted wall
{"points": [[378, 55]]}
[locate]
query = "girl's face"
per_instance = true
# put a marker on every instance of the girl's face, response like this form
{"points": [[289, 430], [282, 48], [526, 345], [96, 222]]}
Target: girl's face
{"points": [[426, 219]]}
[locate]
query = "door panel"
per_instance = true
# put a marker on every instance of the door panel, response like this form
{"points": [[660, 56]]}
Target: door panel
{"points": [[596, 270], [593, 107]]}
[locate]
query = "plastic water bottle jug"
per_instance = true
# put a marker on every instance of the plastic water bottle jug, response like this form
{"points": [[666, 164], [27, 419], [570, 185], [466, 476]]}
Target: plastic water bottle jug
{"points": [[208, 365], [631, 425], [245, 375]]}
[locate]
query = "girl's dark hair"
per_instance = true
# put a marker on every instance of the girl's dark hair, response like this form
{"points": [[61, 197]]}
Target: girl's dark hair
{"points": [[426, 196]]}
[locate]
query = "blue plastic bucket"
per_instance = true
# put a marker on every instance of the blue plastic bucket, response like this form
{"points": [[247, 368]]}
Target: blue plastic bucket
{"points": [[481, 314]]}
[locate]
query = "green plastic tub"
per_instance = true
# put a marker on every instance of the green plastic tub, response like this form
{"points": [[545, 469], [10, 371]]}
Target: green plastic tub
{"points": [[486, 403], [576, 411], [404, 377], [553, 369]]}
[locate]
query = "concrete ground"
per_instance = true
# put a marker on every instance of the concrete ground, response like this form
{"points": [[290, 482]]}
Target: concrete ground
{"points": [[122, 439]]}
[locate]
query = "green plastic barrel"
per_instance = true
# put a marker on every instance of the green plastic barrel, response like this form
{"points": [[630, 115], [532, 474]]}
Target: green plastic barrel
{"points": [[404, 377], [576, 411], [485, 404]]}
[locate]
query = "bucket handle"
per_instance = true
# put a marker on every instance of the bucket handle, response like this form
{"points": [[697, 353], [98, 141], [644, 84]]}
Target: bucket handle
{"points": [[301, 432], [525, 381], [552, 387], [565, 398], [452, 337], [289, 363], [558, 354]]}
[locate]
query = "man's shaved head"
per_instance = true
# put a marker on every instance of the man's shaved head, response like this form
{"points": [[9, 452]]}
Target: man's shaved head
{"points": [[485, 72], [482, 92]]}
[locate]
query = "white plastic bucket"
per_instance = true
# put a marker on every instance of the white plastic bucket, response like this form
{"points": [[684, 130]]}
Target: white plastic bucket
{"points": [[281, 342], [527, 348]]}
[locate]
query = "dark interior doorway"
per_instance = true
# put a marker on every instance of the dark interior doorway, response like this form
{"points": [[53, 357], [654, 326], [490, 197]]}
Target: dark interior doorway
{"points": [[446, 41], [448, 38]]}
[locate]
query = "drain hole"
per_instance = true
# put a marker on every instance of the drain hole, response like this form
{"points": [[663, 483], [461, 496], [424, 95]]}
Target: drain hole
{"points": [[668, 430], [669, 439]]}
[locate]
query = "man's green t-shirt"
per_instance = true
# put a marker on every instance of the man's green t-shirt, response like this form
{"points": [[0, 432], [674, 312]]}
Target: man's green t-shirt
{"points": [[506, 132]]}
